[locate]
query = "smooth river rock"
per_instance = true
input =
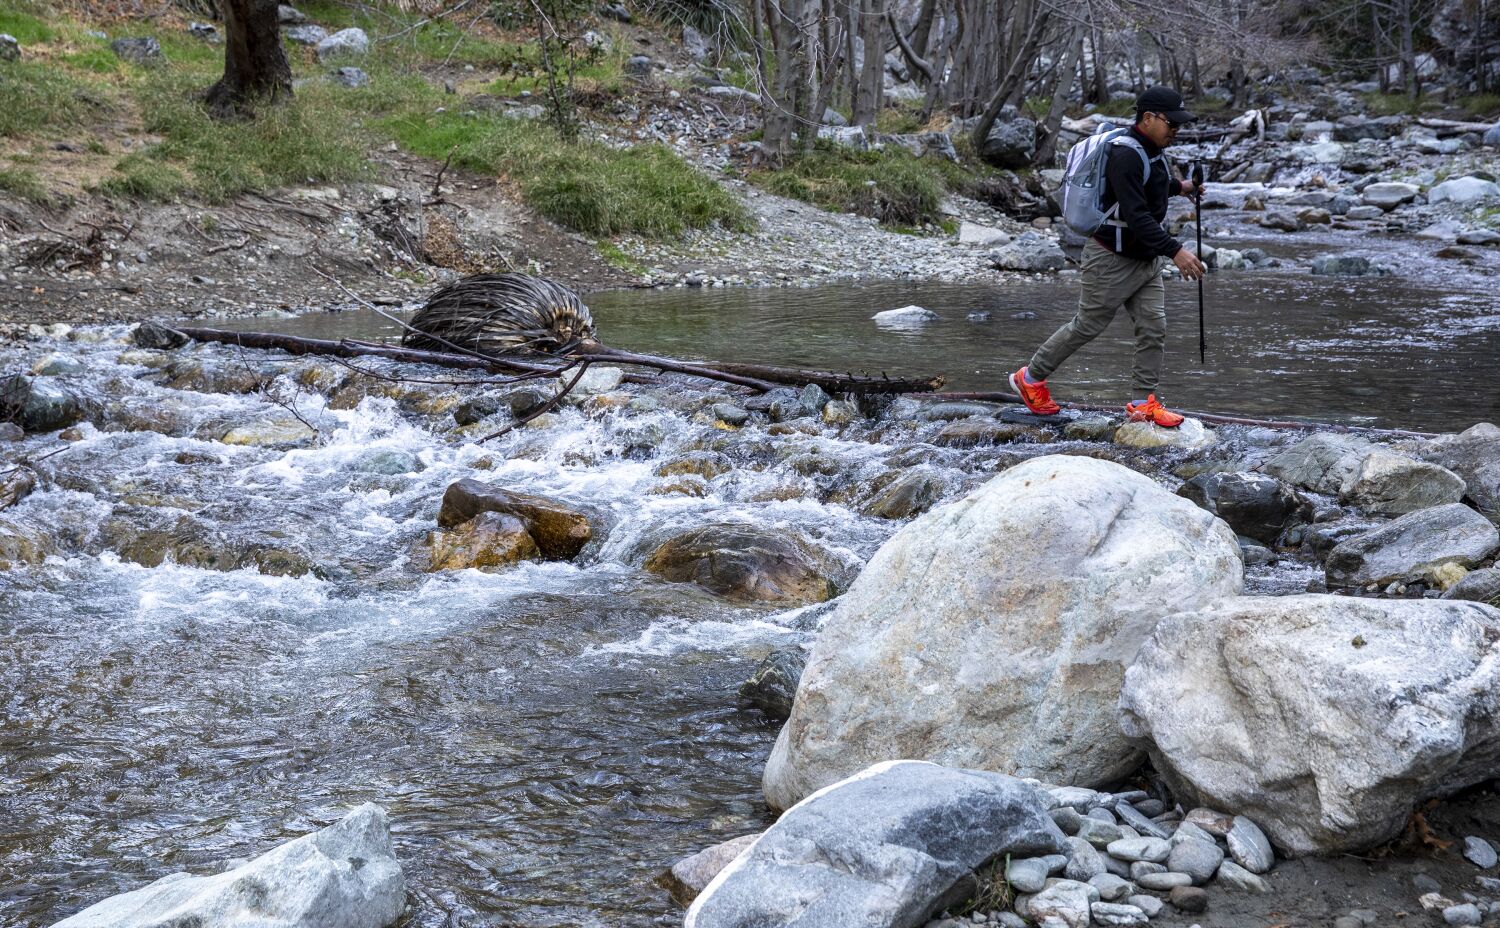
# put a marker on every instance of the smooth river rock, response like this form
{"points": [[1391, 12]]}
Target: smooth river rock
{"points": [[1320, 462], [1393, 484], [1473, 455], [687, 878], [560, 531], [1190, 435], [1257, 506], [1419, 545], [345, 876], [958, 645], [1323, 719], [889, 846], [747, 563]]}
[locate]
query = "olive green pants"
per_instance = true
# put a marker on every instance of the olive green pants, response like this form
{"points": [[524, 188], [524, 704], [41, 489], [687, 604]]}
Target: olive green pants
{"points": [[1110, 281]]}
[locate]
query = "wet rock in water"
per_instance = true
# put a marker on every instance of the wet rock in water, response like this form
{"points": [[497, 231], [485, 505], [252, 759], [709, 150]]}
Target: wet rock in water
{"points": [[1030, 252], [774, 684], [1475, 456], [1283, 708], [151, 536], [813, 399], [705, 464], [1464, 190], [973, 433], [22, 545], [277, 432], [1082, 593], [685, 879], [746, 563], [16, 483], [1256, 505], [905, 316], [1394, 484], [476, 409], [490, 539], [839, 413], [138, 51], [1480, 852], [947, 412], [1280, 220], [560, 531], [1479, 586], [1091, 428], [1415, 546], [1388, 195], [1320, 462], [730, 414], [38, 404], [387, 461], [345, 42], [884, 815], [1347, 266], [344, 876], [1191, 435], [194, 374], [910, 493], [57, 364]]}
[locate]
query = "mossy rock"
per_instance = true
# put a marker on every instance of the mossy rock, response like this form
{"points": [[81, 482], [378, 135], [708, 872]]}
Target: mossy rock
{"points": [[746, 564], [560, 530], [489, 540]]}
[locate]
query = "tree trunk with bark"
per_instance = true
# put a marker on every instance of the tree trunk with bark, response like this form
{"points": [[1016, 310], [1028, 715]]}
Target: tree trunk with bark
{"points": [[255, 64]]}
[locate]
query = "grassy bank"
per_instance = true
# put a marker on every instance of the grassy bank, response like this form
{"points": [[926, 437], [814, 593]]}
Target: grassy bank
{"points": [[70, 86]]}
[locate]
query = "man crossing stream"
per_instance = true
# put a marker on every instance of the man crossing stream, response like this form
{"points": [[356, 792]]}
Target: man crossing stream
{"points": [[1122, 262]]}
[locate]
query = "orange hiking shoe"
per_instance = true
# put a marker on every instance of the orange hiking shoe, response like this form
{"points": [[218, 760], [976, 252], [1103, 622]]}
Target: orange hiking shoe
{"points": [[1036, 396], [1153, 412]]}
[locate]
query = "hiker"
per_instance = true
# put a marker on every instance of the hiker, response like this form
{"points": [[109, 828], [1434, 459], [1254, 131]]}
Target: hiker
{"points": [[1122, 262]]}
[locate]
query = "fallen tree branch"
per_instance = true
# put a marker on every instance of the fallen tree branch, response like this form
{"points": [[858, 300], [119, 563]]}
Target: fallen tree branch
{"points": [[766, 377], [1215, 418], [541, 410]]}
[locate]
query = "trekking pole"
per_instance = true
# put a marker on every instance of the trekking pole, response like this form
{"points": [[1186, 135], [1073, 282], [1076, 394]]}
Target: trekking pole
{"points": [[1197, 176]]}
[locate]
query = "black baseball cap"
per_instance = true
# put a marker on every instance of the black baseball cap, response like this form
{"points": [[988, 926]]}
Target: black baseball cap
{"points": [[1166, 101]]}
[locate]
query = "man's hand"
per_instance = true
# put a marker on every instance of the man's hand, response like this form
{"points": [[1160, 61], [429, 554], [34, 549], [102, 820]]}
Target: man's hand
{"points": [[1191, 189], [1188, 264]]}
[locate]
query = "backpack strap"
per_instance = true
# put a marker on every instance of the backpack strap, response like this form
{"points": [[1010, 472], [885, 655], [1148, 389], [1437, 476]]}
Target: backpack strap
{"points": [[1111, 215]]}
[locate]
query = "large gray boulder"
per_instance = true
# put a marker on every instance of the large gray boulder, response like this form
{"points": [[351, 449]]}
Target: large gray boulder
{"points": [[345, 876], [1319, 462], [1011, 142], [1418, 546], [1475, 456], [1393, 484], [993, 632], [1324, 719], [885, 848]]}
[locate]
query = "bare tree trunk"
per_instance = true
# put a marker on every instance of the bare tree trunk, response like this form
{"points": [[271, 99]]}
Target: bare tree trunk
{"points": [[1046, 149], [776, 105], [921, 35], [1015, 77], [869, 96], [255, 65]]}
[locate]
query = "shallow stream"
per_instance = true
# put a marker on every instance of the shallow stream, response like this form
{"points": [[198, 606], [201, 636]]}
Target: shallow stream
{"points": [[547, 737]]}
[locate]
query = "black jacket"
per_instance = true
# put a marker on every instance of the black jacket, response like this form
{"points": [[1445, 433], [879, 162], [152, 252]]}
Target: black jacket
{"points": [[1142, 207]]}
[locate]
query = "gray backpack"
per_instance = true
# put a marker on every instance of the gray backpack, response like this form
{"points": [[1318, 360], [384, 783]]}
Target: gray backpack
{"points": [[1083, 180]]}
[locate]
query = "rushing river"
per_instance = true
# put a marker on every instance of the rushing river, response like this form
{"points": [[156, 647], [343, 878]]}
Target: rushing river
{"points": [[546, 737]]}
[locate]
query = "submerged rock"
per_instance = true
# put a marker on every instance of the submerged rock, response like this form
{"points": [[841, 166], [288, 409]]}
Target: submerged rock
{"points": [[906, 315], [1416, 546], [1325, 719], [22, 545], [956, 644], [345, 876], [559, 530], [906, 495], [892, 845], [748, 563], [1347, 266], [774, 684]]}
